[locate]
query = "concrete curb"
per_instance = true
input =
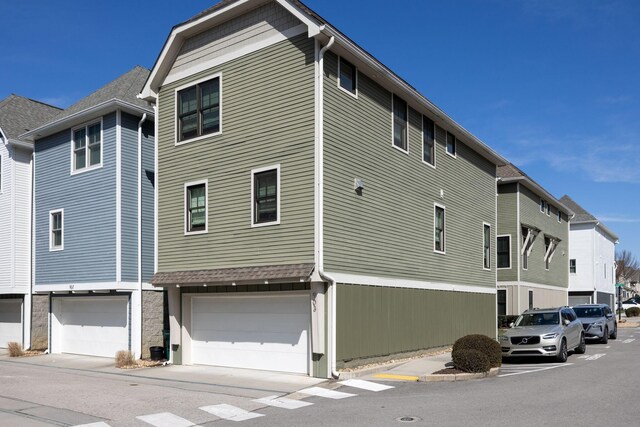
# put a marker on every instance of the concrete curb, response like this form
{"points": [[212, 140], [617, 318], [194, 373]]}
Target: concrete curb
{"points": [[459, 377], [368, 371], [628, 324]]}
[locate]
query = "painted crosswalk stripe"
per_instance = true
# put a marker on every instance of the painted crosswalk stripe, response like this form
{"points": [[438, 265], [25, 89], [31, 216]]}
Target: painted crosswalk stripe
{"points": [[595, 356], [324, 392], [165, 419], [366, 385], [230, 412], [98, 424], [283, 402], [627, 341]]}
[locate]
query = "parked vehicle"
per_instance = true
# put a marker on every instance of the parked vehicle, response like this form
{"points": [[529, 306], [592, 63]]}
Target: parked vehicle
{"points": [[598, 321], [547, 332], [630, 303]]}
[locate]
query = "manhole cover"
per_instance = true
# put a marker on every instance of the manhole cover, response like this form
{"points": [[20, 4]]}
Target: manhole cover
{"points": [[408, 419]]}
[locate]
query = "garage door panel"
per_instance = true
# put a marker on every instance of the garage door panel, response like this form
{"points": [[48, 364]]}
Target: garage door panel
{"points": [[10, 321], [255, 332]]}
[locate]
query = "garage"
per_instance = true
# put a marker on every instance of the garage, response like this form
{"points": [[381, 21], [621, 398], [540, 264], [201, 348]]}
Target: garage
{"points": [[266, 332], [10, 321], [94, 326]]}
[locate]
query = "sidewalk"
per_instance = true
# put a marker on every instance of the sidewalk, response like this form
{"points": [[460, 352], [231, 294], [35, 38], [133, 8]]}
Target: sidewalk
{"points": [[412, 370]]}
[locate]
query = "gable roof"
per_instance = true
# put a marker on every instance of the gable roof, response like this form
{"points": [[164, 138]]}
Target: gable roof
{"points": [[19, 115], [324, 32], [510, 173], [119, 93], [584, 217]]}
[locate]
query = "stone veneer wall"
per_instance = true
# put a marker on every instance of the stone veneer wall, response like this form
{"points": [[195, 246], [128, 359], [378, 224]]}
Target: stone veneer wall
{"points": [[153, 320], [40, 322]]}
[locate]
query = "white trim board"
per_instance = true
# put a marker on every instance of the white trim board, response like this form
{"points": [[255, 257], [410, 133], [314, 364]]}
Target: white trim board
{"points": [[532, 285], [100, 286], [389, 282]]}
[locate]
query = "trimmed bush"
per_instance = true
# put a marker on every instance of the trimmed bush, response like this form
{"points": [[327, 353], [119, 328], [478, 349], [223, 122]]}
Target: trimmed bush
{"points": [[125, 359], [632, 312], [482, 343], [472, 361], [15, 349], [505, 321]]}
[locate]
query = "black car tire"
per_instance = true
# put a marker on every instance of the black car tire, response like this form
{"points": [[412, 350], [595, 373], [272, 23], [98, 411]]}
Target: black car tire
{"points": [[605, 336], [582, 347], [614, 334], [563, 354]]}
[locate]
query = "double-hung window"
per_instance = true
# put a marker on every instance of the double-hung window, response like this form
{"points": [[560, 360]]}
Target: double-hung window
{"points": [[439, 229], [265, 191], [428, 141], [196, 207], [487, 246], [199, 110], [400, 123], [348, 77], [87, 147], [56, 229], [451, 144], [504, 251]]}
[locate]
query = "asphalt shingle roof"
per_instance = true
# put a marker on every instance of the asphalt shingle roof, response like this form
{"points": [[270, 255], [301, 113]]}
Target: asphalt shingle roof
{"points": [[581, 215], [19, 115], [509, 171]]}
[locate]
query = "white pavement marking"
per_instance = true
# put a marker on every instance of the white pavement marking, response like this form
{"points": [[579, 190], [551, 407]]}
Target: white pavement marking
{"points": [[608, 346], [324, 392], [595, 356], [230, 412], [546, 368], [165, 419], [627, 341], [584, 356], [98, 424], [283, 402], [366, 385]]}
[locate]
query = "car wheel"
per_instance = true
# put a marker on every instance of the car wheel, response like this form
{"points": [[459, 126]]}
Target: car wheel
{"points": [[580, 349], [614, 334], [605, 336], [563, 354]]}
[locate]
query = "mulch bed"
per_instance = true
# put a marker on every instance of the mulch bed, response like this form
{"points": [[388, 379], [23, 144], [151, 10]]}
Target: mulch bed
{"points": [[449, 371]]}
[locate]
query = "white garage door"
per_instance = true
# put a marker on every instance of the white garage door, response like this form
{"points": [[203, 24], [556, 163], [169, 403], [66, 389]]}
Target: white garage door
{"points": [[10, 321], [255, 332], [95, 326]]}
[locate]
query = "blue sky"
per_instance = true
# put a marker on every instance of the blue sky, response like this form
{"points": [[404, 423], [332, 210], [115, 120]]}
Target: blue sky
{"points": [[552, 85]]}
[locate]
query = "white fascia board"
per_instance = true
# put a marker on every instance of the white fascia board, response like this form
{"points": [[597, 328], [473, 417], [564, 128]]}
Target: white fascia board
{"points": [[536, 188], [400, 87], [99, 286], [21, 144], [393, 282], [85, 115]]}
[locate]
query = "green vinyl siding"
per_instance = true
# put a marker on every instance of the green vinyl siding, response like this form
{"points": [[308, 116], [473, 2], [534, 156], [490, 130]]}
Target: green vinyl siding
{"points": [[558, 273], [374, 322], [267, 120], [388, 230], [508, 224]]}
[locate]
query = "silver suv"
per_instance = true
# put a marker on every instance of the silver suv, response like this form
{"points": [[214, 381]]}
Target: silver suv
{"points": [[548, 332], [598, 321]]}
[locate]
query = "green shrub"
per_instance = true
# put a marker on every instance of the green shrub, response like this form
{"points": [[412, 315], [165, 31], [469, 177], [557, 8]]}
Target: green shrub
{"points": [[633, 312], [472, 361], [482, 343], [505, 321]]}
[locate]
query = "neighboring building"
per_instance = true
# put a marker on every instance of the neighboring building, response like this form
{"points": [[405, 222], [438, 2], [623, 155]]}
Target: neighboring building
{"points": [[532, 244], [17, 115], [314, 210], [94, 213], [592, 257]]}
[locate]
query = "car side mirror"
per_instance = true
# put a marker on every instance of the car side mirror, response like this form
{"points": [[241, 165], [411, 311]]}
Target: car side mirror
{"points": [[566, 322]]}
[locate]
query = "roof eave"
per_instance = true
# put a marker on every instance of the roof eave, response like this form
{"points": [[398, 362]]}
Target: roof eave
{"points": [[540, 191], [21, 144], [84, 115]]}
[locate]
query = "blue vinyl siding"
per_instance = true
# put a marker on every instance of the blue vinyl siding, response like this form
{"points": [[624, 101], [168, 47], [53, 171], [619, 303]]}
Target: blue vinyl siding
{"points": [[89, 203], [148, 200], [129, 181]]}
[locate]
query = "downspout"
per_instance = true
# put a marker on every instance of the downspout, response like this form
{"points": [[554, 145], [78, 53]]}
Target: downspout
{"points": [[142, 120], [319, 218], [29, 296]]}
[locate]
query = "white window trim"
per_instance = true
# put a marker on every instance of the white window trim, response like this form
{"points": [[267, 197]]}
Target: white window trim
{"points": [[455, 144], [543, 205], [434, 144], [548, 212], [51, 247], [93, 167], [206, 207], [510, 257], [175, 109], [559, 215], [576, 265], [393, 95], [355, 95], [444, 226], [483, 242], [278, 196]]}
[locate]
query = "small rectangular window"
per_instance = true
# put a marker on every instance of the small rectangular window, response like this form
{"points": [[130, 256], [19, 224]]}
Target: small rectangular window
{"points": [[572, 266], [266, 196], [504, 251], [439, 229], [348, 76], [543, 205], [502, 302], [199, 110], [196, 207], [548, 209], [428, 141], [451, 144], [487, 246], [87, 147], [530, 299], [559, 216], [400, 123], [56, 230]]}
